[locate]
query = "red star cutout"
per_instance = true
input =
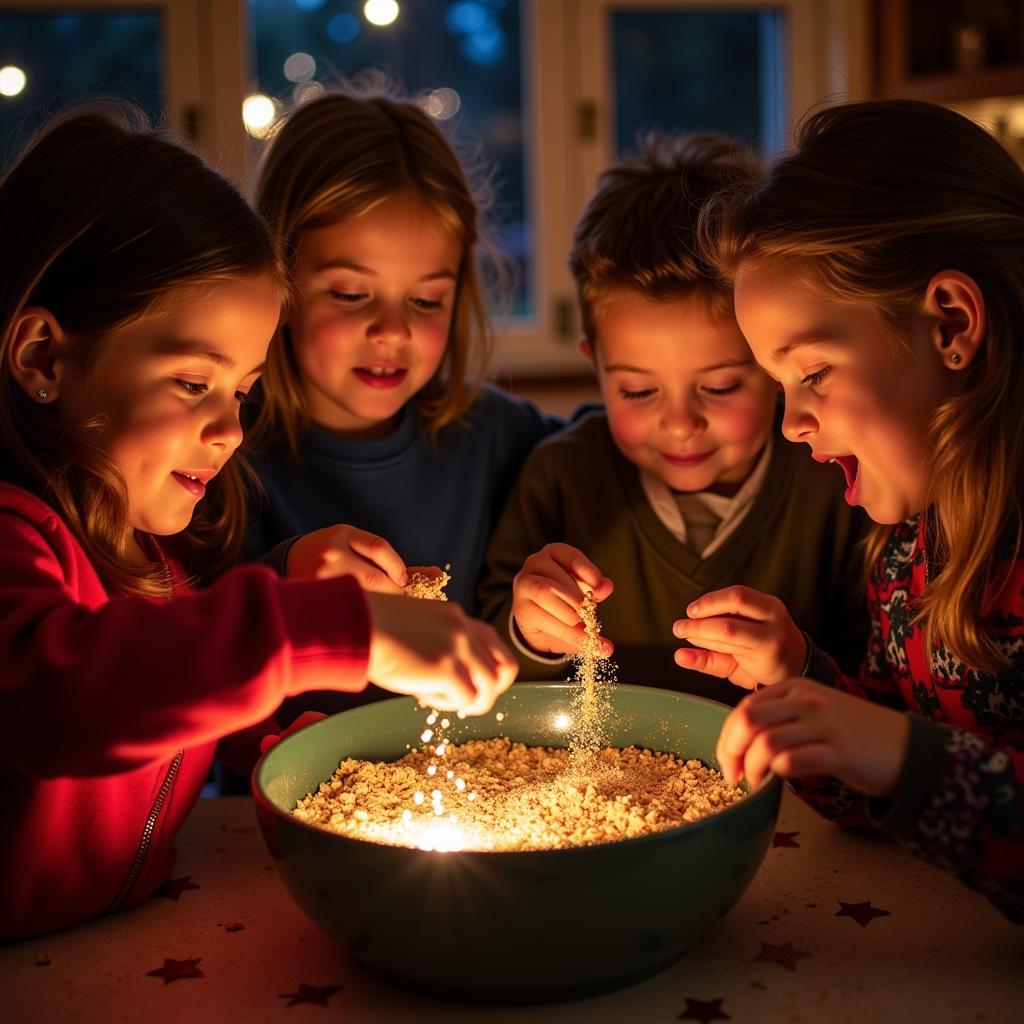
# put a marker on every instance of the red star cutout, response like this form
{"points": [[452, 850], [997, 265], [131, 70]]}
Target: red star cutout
{"points": [[172, 970], [174, 887], [704, 1011], [784, 839], [787, 955], [862, 913], [311, 994]]}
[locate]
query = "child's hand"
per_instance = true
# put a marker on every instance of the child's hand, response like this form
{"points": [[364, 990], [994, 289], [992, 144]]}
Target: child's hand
{"points": [[743, 635], [344, 550], [547, 594], [306, 718], [435, 652], [800, 727]]}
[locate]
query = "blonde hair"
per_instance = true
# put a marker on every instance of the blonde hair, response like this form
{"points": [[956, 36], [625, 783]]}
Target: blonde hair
{"points": [[876, 199], [135, 221], [340, 156], [638, 229]]}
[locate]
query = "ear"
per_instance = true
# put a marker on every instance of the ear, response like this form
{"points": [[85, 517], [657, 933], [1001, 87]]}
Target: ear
{"points": [[32, 357], [956, 308], [586, 347]]}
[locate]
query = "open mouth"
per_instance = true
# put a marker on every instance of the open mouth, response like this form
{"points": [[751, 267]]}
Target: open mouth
{"points": [[381, 376], [850, 466]]}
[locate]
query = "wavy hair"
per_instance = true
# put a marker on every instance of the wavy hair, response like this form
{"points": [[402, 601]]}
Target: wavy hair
{"points": [[875, 200], [337, 157], [105, 220]]}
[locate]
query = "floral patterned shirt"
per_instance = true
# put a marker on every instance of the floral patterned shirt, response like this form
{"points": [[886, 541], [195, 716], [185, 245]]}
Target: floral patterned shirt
{"points": [[959, 803]]}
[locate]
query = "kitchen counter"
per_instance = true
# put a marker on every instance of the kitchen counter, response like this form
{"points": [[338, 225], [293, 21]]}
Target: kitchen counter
{"points": [[835, 927]]}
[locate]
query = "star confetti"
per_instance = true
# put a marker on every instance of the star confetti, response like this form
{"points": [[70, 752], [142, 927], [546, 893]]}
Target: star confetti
{"points": [[174, 887], [235, 828], [172, 970], [862, 913], [786, 954], [784, 839], [317, 994], [704, 1011]]}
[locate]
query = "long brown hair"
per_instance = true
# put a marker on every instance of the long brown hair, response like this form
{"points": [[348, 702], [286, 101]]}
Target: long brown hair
{"points": [[876, 199], [335, 158], [105, 219]]}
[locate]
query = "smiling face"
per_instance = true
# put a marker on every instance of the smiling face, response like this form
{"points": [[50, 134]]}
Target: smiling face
{"points": [[684, 397], [374, 298], [168, 389], [854, 392]]}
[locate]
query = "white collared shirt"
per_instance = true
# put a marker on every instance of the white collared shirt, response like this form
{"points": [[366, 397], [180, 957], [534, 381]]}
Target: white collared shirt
{"points": [[700, 520]]}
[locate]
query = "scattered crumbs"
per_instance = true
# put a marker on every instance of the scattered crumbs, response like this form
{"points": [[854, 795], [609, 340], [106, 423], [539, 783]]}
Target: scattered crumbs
{"points": [[43, 960], [233, 926]]}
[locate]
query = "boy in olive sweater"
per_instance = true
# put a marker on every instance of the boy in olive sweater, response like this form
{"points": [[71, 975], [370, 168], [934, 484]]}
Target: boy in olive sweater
{"points": [[682, 484]]}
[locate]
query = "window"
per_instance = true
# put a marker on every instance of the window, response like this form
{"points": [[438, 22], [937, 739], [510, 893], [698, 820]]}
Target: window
{"points": [[50, 58], [551, 89], [459, 60]]}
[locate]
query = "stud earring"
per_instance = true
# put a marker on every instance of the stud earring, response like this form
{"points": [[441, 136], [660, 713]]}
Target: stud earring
{"points": [[42, 394], [955, 359]]}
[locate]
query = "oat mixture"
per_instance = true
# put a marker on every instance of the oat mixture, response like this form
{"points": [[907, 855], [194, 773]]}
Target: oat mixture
{"points": [[593, 676], [499, 795], [428, 587]]}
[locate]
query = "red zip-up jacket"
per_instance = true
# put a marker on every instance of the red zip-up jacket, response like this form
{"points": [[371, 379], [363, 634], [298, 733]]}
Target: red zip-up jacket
{"points": [[111, 706]]}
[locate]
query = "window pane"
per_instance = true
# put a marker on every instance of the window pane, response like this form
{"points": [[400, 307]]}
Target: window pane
{"points": [[698, 70], [461, 60], [66, 56]]}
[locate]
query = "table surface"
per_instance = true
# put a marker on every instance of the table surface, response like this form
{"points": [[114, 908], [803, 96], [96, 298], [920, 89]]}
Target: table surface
{"points": [[785, 952]]}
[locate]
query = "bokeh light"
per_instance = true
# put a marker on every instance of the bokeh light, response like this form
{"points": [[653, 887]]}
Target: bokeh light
{"points": [[310, 5], [258, 114], [299, 67], [380, 12], [306, 91], [12, 80], [467, 16], [441, 104], [484, 47], [343, 28]]}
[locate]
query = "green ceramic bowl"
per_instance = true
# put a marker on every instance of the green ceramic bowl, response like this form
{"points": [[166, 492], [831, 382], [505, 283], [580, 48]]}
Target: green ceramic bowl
{"points": [[521, 926]]}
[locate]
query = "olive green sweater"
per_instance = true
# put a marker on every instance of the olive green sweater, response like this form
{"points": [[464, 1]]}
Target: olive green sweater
{"points": [[797, 541]]}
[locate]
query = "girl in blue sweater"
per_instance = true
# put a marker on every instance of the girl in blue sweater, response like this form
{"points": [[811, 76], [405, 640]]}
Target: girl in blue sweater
{"points": [[375, 442]]}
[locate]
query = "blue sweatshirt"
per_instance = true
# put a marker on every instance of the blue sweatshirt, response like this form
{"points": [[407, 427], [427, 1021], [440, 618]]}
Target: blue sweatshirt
{"points": [[435, 506]]}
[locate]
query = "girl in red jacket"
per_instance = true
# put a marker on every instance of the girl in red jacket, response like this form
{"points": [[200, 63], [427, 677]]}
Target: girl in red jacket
{"points": [[137, 299], [879, 276]]}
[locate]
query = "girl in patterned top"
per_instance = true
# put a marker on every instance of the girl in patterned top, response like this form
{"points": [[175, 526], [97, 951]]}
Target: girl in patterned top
{"points": [[879, 275]]}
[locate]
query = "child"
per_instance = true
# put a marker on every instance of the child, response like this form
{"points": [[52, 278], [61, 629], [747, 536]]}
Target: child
{"points": [[677, 485], [369, 414], [137, 300], [879, 275]]}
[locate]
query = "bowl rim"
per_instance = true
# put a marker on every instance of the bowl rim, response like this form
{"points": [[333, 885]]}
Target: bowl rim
{"points": [[770, 781]]}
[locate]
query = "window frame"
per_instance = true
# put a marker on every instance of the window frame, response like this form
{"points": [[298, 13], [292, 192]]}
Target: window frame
{"points": [[566, 62]]}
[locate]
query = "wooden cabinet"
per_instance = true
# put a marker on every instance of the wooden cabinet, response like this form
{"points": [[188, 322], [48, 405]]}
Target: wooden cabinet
{"points": [[949, 50]]}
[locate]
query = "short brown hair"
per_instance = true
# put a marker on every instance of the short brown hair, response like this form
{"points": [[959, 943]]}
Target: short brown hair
{"points": [[638, 229]]}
